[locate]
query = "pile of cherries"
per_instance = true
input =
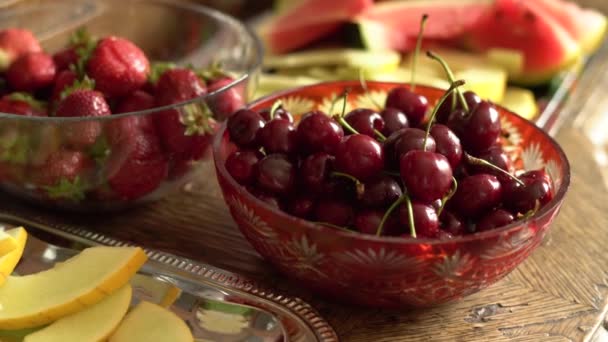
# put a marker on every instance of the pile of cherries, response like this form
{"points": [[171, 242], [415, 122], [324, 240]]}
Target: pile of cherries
{"points": [[396, 172]]}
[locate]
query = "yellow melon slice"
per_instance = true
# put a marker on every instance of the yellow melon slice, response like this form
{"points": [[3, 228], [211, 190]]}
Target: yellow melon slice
{"points": [[7, 243], [9, 261], [520, 101], [93, 324], [155, 291], [150, 322], [82, 281]]}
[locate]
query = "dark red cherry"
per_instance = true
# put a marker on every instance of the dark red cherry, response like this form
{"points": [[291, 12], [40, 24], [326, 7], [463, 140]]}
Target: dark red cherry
{"points": [[317, 132], [278, 136], [447, 143], [498, 157], [494, 219], [413, 105], [403, 141], [279, 113], [426, 175], [243, 127], [394, 120], [537, 187], [445, 109], [301, 206], [425, 219], [452, 224], [457, 122], [360, 156], [315, 170], [368, 221], [276, 174], [380, 192], [365, 121], [338, 213], [241, 165], [476, 194], [482, 128]]}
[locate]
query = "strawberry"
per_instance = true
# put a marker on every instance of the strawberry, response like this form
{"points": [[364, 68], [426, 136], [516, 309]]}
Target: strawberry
{"points": [[22, 104], [83, 103], [31, 72], [227, 101], [118, 67], [64, 58], [64, 80], [184, 135], [14, 43], [137, 101], [136, 166], [118, 129], [64, 174]]}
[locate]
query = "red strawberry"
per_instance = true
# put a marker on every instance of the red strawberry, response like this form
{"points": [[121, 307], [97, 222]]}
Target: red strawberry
{"points": [[64, 175], [118, 67], [184, 135], [22, 104], [14, 43], [64, 80], [83, 103], [119, 129], [136, 101], [229, 100], [136, 166], [64, 58], [31, 72]]}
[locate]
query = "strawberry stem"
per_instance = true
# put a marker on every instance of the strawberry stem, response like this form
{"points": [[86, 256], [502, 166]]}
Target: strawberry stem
{"points": [[84, 84], [66, 189], [417, 50], [450, 75], [29, 99], [451, 89], [482, 162]]}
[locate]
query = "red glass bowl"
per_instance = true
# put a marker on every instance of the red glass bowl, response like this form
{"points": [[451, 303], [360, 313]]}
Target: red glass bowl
{"points": [[392, 271]]}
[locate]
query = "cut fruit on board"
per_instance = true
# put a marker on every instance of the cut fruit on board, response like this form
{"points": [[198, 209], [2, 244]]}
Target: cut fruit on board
{"points": [[586, 26], [488, 83], [92, 324], [394, 25], [307, 21], [150, 322], [155, 291], [520, 101], [7, 243], [9, 261], [77, 283], [523, 25]]}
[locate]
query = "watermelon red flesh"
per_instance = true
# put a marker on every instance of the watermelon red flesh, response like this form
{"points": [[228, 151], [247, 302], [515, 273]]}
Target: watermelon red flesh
{"points": [[309, 21], [586, 26], [524, 26]]}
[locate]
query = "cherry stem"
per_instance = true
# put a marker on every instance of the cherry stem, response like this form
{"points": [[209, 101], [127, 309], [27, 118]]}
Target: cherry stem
{"points": [[389, 211], [417, 50], [450, 75], [447, 197], [366, 90], [359, 187], [482, 162], [333, 226], [276, 105], [340, 118], [380, 136], [410, 215], [452, 88]]}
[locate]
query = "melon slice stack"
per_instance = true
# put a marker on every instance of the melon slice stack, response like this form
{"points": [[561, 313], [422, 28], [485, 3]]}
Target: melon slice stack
{"points": [[85, 298]]}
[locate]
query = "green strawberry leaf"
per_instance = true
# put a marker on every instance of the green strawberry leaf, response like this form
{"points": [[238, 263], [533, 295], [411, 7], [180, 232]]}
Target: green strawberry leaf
{"points": [[29, 99], [84, 84], [15, 148], [84, 44], [196, 119], [158, 69], [100, 151], [81, 37], [66, 189], [214, 71]]}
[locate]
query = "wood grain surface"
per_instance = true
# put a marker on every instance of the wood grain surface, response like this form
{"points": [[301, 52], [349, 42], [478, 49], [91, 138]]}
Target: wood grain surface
{"points": [[559, 294]]}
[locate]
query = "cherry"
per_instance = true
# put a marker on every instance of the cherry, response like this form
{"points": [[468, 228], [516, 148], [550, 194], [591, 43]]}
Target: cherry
{"points": [[365, 121], [335, 212], [278, 136], [447, 143], [243, 127], [482, 128], [380, 192], [317, 132], [494, 219], [301, 206], [426, 175], [425, 219], [405, 140], [279, 113], [476, 194], [241, 165], [394, 120], [457, 121], [315, 170], [498, 157], [452, 224], [537, 187], [276, 174], [443, 114], [367, 221], [360, 156], [413, 105]]}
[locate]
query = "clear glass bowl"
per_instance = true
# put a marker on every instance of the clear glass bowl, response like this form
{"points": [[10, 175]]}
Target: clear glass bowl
{"points": [[389, 271], [171, 31]]}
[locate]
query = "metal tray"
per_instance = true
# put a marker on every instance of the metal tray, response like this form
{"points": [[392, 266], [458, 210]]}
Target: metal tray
{"points": [[248, 312]]}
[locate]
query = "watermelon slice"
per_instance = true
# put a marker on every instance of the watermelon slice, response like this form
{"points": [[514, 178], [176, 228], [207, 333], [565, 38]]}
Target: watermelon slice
{"points": [[395, 24], [525, 26], [308, 21], [586, 26]]}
